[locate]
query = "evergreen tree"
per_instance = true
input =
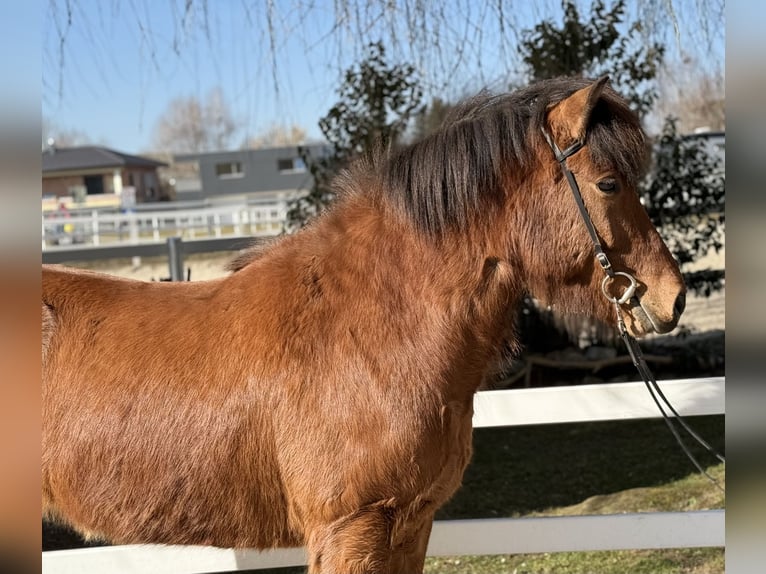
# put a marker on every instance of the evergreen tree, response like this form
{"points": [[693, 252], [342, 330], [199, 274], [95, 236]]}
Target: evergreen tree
{"points": [[684, 195], [595, 47], [376, 102]]}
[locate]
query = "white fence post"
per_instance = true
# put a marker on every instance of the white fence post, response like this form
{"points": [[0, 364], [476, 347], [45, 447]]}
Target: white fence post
{"points": [[94, 227], [133, 224]]}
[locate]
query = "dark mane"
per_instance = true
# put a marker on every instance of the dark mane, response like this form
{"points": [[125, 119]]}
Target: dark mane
{"points": [[456, 173], [254, 251], [447, 178]]}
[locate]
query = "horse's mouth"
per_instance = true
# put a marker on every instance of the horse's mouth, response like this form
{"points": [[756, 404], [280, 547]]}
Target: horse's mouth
{"points": [[642, 321]]}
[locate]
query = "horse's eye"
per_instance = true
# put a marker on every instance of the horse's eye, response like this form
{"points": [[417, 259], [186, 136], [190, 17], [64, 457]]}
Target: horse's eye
{"points": [[608, 185]]}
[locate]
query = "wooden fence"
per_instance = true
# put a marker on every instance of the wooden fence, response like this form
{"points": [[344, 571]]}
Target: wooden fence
{"points": [[618, 401]]}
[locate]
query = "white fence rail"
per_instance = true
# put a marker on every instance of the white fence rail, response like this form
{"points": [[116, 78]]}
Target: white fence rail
{"points": [[102, 228], [620, 401]]}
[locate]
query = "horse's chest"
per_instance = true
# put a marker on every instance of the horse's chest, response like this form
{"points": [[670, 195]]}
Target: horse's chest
{"points": [[449, 451], [410, 460]]}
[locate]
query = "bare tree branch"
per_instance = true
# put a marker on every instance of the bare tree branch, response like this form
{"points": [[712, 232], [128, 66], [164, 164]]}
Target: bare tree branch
{"points": [[453, 45], [189, 125]]}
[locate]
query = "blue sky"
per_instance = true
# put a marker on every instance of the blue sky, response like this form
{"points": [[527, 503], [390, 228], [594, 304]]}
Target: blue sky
{"points": [[125, 60], [117, 82]]}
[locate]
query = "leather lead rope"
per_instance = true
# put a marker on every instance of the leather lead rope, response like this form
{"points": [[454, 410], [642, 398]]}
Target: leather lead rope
{"points": [[632, 345], [659, 398]]}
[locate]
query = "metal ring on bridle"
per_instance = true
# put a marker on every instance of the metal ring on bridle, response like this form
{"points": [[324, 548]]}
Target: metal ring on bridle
{"points": [[629, 292]]}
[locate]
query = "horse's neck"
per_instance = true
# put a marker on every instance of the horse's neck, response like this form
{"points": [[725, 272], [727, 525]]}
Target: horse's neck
{"points": [[450, 292]]}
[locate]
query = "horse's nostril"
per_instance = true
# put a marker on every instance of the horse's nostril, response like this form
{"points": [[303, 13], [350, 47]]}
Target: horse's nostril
{"points": [[679, 305]]}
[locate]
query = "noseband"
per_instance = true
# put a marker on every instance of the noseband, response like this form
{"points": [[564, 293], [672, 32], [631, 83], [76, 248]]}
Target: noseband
{"points": [[629, 294]]}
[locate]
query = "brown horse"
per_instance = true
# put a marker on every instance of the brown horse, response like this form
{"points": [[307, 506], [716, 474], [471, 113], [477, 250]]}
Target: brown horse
{"points": [[321, 394]]}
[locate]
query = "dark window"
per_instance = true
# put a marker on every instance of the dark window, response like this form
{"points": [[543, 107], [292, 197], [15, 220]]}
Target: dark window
{"points": [[291, 165], [94, 184], [229, 169]]}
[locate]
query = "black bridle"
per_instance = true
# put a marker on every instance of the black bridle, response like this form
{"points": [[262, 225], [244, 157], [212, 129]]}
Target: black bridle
{"points": [[629, 295]]}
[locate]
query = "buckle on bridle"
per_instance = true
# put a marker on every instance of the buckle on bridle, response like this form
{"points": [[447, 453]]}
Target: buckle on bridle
{"points": [[603, 260], [571, 150], [629, 292], [561, 156]]}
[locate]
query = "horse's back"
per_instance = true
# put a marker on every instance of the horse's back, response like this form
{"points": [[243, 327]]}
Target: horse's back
{"points": [[91, 318], [84, 306], [74, 303], [59, 283]]}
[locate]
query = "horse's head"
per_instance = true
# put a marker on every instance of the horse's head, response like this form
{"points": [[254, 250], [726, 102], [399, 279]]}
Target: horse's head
{"points": [[607, 167]]}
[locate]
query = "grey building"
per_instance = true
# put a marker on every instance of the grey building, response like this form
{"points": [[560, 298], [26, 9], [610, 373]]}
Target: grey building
{"points": [[251, 175]]}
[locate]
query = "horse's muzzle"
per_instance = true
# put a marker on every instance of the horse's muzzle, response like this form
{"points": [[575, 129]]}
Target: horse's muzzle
{"points": [[646, 320]]}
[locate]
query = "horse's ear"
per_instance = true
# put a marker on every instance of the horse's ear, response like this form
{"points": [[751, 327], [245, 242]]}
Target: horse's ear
{"points": [[568, 119]]}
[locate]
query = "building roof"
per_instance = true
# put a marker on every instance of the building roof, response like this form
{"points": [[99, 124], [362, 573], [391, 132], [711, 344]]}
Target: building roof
{"points": [[91, 157]]}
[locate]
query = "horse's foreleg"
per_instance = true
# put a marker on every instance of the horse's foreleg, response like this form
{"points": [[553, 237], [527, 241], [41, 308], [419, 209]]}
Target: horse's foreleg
{"points": [[356, 544], [370, 541], [409, 553]]}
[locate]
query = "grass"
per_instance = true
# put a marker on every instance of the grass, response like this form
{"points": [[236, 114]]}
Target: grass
{"points": [[685, 561], [522, 470], [593, 468], [693, 492]]}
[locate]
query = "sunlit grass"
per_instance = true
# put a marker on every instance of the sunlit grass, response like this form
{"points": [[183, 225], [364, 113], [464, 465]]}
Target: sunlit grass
{"points": [[693, 492]]}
